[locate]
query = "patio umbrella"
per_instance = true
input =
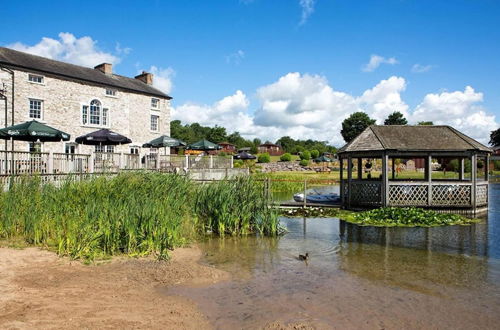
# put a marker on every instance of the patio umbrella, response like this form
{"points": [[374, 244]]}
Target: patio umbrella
{"points": [[164, 141], [103, 137], [244, 156], [204, 145], [33, 131]]}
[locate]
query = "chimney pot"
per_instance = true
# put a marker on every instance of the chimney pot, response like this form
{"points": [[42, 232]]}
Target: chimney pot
{"points": [[106, 68], [145, 77]]}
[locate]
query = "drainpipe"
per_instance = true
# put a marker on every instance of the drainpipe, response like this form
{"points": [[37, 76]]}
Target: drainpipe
{"points": [[11, 72]]}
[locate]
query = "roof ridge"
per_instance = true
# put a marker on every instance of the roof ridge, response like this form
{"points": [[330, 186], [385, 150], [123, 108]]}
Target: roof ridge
{"points": [[462, 135], [376, 135]]}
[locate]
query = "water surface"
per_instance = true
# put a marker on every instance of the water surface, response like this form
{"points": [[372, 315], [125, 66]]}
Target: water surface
{"points": [[358, 277]]}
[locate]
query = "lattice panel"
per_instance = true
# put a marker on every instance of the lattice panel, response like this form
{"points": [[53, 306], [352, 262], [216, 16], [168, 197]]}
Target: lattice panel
{"points": [[366, 193], [451, 194], [482, 194], [407, 195]]}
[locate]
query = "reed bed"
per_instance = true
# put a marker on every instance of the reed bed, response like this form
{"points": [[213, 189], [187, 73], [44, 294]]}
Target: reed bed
{"points": [[133, 213]]}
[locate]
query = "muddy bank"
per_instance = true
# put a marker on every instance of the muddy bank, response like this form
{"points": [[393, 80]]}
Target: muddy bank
{"points": [[40, 290]]}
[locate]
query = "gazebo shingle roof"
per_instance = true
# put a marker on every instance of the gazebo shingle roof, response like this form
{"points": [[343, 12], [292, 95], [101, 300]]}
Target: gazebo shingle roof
{"points": [[20, 60], [412, 138]]}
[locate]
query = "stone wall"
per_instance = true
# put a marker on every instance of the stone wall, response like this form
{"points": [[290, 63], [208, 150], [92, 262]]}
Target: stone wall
{"points": [[283, 166], [129, 113]]}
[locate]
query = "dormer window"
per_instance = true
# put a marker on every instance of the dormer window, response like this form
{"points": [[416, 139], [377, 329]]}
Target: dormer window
{"points": [[35, 78], [155, 103]]}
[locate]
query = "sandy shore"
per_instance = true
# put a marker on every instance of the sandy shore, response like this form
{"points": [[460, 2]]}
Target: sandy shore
{"points": [[38, 289]]}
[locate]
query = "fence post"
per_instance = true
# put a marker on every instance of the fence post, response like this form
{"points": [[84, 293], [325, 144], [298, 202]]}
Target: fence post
{"points": [[187, 161], [305, 197], [158, 161], [231, 161], [122, 163], [91, 162], [50, 163], [211, 161]]}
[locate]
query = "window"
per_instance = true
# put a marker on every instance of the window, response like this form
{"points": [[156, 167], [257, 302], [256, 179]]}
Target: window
{"points": [[155, 103], [134, 150], [70, 148], [35, 78], [35, 147], [94, 114], [110, 92], [36, 107], [154, 122], [109, 149]]}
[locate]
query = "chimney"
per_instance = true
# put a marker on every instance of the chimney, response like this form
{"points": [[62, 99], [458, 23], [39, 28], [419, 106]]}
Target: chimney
{"points": [[145, 77], [106, 68]]}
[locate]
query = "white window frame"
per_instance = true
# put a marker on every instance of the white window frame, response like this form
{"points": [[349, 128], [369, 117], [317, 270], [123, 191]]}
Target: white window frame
{"points": [[31, 99], [103, 116], [42, 82], [157, 107], [157, 123], [104, 148], [114, 92]]}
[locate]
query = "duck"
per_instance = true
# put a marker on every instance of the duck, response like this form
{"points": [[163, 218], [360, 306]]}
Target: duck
{"points": [[304, 257]]}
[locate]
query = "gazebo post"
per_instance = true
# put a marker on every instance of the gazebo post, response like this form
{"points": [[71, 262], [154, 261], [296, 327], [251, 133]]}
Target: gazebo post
{"points": [[385, 179], [428, 176], [341, 163], [393, 168], [474, 181], [487, 166], [349, 180], [360, 168], [461, 167]]}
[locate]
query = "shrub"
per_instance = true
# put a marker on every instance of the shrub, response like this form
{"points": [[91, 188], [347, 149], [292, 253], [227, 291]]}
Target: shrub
{"points": [[237, 163], [286, 157], [496, 165], [264, 158], [223, 153], [305, 155], [304, 162], [314, 153]]}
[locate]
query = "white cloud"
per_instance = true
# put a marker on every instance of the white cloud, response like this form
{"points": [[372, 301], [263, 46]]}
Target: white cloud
{"points": [[305, 106], [162, 78], [68, 48], [236, 57], [419, 68], [307, 10], [376, 61]]}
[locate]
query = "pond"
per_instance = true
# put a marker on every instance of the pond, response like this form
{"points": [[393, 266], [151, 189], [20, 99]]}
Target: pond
{"points": [[358, 277]]}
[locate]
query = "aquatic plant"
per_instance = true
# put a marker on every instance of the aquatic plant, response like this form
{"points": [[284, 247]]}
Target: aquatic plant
{"points": [[133, 213], [236, 207], [406, 217]]}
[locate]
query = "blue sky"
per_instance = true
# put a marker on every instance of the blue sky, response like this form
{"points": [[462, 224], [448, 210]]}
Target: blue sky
{"points": [[296, 67]]}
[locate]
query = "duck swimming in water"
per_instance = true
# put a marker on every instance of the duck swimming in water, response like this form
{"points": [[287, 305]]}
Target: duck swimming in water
{"points": [[304, 257]]}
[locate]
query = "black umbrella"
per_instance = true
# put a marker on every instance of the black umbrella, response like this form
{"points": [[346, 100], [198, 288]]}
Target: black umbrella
{"points": [[244, 156], [103, 137]]}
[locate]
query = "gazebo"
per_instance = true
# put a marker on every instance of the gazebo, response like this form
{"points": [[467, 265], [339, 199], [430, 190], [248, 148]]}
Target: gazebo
{"points": [[371, 172]]}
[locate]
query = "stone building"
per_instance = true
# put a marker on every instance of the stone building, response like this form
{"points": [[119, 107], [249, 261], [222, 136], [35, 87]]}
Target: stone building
{"points": [[79, 100]]}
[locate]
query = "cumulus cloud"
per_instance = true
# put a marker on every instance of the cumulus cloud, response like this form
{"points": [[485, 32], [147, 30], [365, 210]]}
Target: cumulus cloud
{"points": [[307, 10], [68, 48], [162, 78], [419, 68], [306, 106], [376, 61], [461, 110], [236, 57]]}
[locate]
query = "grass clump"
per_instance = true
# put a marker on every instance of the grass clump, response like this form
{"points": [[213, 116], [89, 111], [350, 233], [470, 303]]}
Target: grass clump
{"points": [[133, 213], [406, 217]]}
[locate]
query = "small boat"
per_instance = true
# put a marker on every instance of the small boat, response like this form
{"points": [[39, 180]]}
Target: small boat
{"points": [[318, 198]]}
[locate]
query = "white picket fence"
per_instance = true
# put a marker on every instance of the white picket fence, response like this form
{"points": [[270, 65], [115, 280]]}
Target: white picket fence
{"points": [[26, 163]]}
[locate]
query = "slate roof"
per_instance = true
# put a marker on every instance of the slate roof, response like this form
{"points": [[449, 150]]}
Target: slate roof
{"points": [[412, 138], [19, 60]]}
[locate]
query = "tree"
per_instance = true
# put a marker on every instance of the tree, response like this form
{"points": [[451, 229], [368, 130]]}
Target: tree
{"points": [[314, 153], [425, 123], [217, 134], [396, 118], [495, 138], [354, 125]]}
